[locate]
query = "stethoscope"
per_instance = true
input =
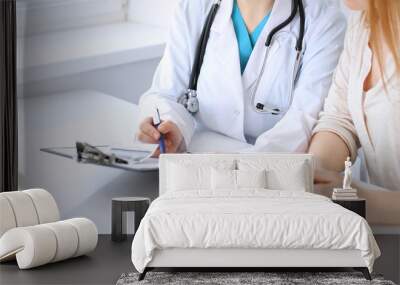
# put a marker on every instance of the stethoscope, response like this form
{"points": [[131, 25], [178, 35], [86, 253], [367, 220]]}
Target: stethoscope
{"points": [[189, 99]]}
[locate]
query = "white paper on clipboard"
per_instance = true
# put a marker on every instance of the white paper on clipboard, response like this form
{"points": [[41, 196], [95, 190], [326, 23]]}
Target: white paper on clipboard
{"points": [[139, 157]]}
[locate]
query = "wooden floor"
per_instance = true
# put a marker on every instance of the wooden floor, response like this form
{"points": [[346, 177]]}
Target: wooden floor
{"points": [[103, 266]]}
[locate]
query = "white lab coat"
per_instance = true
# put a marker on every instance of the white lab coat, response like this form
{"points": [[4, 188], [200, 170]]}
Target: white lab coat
{"points": [[224, 92]]}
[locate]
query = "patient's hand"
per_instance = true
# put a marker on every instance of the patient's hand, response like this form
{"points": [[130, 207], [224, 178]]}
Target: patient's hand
{"points": [[150, 134], [326, 180]]}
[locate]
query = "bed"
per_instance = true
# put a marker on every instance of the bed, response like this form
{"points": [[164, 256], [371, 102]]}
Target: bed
{"points": [[247, 211]]}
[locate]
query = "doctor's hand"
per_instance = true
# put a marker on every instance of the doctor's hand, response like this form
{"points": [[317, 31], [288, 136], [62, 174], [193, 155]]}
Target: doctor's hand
{"points": [[326, 180], [150, 134]]}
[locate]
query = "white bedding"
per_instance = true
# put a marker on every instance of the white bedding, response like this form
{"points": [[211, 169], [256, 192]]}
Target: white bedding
{"points": [[250, 219]]}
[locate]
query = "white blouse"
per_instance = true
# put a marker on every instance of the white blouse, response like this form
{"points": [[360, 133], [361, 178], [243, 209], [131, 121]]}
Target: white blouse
{"points": [[371, 119]]}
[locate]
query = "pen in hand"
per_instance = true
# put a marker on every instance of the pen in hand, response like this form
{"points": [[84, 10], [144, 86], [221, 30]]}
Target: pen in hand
{"points": [[156, 123]]}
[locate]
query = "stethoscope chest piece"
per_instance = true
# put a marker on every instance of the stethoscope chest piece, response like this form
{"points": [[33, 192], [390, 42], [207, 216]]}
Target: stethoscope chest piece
{"points": [[189, 101]]}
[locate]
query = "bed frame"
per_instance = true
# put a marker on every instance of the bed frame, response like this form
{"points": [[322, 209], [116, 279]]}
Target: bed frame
{"points": [[242, 259], [256, 259]]}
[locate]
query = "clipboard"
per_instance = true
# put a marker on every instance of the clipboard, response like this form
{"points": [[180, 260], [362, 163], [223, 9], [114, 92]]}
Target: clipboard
{"points": [[129, 159]]}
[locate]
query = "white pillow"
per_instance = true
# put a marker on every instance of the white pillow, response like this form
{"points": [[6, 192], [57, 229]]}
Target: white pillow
{"points": [[182, 177], [291, 175], [294, 179], [251, 178], [186, 175], [227, 179], [223, 179]]}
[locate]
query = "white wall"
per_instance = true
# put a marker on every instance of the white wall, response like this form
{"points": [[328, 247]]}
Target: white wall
{"points": [[89, 116], [48, 118], [58, 111]]}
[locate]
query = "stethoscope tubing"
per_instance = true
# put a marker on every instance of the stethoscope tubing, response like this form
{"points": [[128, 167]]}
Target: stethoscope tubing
{"points": [[298, 7], [189, 99], [202, 45], [267, 109]]}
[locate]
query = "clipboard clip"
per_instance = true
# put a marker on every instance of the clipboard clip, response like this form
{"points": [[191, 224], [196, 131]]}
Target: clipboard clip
{"points": [[87, 153]]}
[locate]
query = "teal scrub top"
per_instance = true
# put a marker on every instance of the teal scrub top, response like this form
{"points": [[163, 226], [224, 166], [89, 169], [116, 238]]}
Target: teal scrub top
{"points": [[246, 40]]}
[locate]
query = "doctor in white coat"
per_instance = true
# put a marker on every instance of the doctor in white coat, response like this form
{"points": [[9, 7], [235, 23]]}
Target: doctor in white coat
{"points": [[224, 92]]}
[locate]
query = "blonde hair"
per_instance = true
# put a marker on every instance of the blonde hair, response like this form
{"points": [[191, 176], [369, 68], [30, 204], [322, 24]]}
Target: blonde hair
{"points": [[383, 19]]}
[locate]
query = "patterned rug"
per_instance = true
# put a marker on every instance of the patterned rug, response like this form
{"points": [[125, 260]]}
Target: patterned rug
{"points": [[244, 278]]}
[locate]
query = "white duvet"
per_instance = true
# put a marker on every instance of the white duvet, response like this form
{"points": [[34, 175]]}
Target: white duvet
{"points": [[250, 219]]}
